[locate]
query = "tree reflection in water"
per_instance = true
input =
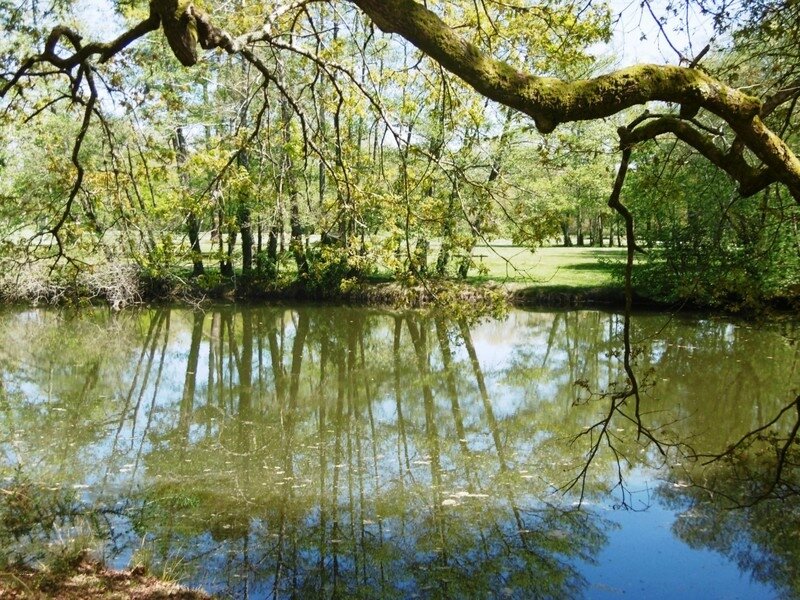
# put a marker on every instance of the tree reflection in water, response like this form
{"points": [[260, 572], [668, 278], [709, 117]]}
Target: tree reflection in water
{"points": [[348, 452]]}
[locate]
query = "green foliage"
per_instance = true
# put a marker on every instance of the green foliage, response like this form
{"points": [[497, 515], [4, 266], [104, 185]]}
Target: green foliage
{"points": [[184, 166], [360, 158], [334, 268], [705, 243]]}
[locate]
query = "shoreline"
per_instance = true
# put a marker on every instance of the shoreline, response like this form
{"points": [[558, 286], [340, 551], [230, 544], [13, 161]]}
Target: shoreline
{"points": [[479, 296]]}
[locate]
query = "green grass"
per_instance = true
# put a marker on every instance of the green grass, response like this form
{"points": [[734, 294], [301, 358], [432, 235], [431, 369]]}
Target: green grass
{"points": [[550, 266]]}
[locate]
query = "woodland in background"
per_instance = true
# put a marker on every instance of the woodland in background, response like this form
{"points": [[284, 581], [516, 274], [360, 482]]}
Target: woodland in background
{"points": [[324, 152]]}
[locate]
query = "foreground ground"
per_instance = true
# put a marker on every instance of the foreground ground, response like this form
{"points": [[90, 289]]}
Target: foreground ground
{"points": [[91, 581]]}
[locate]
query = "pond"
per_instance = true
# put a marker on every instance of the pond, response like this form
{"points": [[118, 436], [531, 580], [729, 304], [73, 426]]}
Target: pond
{"points": [[329, 451]]}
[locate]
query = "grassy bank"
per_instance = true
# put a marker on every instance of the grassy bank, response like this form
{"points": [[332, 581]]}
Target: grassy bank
{"points": [[550, 266], [549, 276]]}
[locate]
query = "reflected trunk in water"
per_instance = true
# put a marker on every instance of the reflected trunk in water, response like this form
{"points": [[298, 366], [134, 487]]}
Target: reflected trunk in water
{"points": [[349, 452]]}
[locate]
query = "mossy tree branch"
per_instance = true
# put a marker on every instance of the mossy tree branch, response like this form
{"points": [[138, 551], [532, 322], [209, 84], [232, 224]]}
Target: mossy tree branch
{"points": [[551, 101], [751, 179], [548, 101]]}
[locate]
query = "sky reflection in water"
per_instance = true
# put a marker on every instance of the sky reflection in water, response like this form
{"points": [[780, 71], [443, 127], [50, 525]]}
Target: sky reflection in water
{"points": [[337, 451]]}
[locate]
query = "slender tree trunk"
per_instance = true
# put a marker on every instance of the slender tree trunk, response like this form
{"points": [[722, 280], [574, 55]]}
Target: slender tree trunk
{"points": [[226, 266], [193, 226], [419, 262], [494, 173], [246, 231], [192, 220], [296, 228], [448, 231], [244, 219], [272, 249], [600, 230], [289, 177]]}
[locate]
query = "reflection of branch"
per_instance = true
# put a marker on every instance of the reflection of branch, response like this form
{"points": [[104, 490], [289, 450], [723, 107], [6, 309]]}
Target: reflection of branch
{"points": [[781, 459], [603, 425], [615, 203], [748, 436], [601, 429]]}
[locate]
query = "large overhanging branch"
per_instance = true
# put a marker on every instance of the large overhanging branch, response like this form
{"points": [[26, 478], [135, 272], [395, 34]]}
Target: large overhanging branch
{"points": [[548, 101], [751, 179], [551, 101]]}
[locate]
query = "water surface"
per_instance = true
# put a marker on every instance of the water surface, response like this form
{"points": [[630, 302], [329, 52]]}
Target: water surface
{"points": [[344, 452]]}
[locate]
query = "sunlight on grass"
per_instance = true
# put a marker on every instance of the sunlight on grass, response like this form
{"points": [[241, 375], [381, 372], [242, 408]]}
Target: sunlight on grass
{"points": [[550, 266]]}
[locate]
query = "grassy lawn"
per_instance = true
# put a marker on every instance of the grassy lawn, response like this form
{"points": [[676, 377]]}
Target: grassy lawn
{"points": [[551, 266], [500, 261]]}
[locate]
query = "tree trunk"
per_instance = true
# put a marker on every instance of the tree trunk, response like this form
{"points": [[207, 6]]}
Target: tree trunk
{"points": [[192, 220], [296, 243], [419, 262], [289, 185], [448, 230], [566, 234], [193, 228], [599, 231], [244, 221], [226, 264], [246, 231], [494, 173]]}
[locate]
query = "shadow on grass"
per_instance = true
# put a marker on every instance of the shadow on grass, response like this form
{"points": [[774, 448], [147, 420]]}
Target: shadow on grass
{"points": [[606, 252], [596, 267]]}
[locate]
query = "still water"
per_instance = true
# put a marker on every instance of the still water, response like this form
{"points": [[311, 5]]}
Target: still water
{"points": [[269, 452]]}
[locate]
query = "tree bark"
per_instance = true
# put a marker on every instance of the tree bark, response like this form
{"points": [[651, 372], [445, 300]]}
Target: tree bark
{"points": [[565, 232], [244, 220]]}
